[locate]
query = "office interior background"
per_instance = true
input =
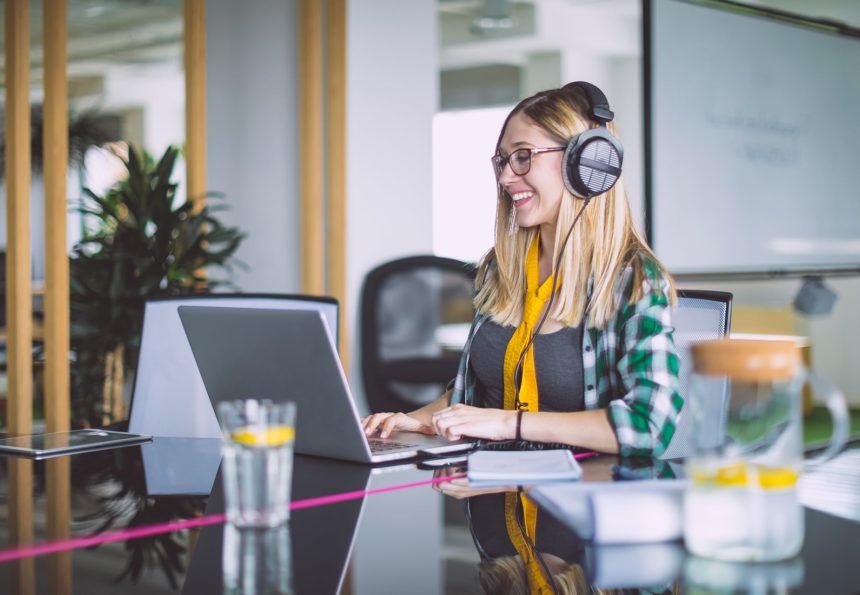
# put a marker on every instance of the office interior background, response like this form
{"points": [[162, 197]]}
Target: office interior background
{"points": [[426, 90]]}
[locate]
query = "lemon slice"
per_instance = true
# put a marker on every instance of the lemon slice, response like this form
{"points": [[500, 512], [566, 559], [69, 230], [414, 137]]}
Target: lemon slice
{"points": [[775, 478], [271, 436], [734, 475], [738, 475]]}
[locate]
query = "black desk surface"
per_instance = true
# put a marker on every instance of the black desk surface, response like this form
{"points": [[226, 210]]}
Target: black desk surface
{"points": [[393, 541]]}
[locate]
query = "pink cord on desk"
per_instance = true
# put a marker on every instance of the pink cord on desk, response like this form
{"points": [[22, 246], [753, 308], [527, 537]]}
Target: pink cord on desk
{"points": [[11, 554]]}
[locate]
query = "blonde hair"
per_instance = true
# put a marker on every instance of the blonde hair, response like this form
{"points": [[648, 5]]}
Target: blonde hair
{"points": [[507, 575], [604, 243]]}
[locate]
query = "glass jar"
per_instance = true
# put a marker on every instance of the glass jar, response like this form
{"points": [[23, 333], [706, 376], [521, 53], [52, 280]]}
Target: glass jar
{"points": [[746, 401]]}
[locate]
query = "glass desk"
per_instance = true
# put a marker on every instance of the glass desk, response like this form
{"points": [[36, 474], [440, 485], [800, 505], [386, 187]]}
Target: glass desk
{"points": [[394, 540]]}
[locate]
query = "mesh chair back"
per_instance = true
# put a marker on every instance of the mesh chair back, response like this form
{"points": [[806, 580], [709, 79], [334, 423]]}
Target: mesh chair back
{"points": [[169, 398], [415, 315], [700, 316]]}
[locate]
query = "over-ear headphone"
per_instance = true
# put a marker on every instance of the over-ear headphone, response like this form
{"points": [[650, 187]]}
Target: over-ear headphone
{"points": [[592, 159]]}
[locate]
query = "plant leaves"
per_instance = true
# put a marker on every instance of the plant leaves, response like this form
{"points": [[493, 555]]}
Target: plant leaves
{"points": [[138, 245]]}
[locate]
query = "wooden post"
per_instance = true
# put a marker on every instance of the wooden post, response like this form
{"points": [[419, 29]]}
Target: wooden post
{"points": [[56, 165], [194, 31], [336, 164], [57, 342], [310, 146], [19, 306]]}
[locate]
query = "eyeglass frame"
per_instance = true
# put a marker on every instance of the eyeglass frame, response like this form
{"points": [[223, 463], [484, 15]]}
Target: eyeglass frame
{"points": [[500, 163]]}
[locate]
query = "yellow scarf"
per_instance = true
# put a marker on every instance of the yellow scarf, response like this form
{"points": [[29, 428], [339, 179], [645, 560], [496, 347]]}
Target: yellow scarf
{"points": [[535, 299]]}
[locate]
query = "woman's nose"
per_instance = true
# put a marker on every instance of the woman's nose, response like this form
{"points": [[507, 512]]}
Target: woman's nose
{"points": [[507, 174]]}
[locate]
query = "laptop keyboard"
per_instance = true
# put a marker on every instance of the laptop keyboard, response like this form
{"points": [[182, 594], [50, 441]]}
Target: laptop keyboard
{"points": [[377, 445]]}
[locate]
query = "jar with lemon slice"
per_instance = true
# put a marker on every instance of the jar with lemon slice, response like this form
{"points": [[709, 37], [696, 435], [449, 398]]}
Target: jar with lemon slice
{"points": [[745, 399], [257, 462]]}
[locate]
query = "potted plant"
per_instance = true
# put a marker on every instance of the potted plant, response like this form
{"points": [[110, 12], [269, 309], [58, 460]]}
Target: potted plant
{"points": [[143, 245]]}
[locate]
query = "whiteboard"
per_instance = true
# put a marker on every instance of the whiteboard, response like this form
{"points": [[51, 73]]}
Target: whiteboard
{"points": [[754, 140]]}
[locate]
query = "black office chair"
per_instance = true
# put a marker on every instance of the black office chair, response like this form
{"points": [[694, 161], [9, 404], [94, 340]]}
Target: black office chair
{"points": [[415, 315]]}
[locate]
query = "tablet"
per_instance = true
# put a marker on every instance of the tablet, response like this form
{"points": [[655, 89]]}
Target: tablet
{"points": [[42, 446]]}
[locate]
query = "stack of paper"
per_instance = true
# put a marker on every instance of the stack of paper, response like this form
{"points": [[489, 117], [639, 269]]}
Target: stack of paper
{"points": [[617, 512], [521, 467]]}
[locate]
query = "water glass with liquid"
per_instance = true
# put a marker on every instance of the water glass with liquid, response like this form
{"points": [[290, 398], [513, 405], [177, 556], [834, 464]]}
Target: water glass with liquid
{"points": [[746, 401], [257, 463]]}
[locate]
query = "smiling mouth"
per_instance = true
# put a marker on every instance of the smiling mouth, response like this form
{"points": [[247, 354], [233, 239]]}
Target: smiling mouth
{"points": [[521, 198]]}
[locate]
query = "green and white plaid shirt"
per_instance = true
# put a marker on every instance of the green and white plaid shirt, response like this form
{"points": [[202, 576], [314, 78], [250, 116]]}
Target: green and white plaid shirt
{"points": [[630, 368]]}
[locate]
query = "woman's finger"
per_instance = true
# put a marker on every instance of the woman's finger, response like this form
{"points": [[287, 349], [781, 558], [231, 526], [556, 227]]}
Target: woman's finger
{"points": [[396, 421], [388, 425], [452, 427], [374, 420], [434, 421]]}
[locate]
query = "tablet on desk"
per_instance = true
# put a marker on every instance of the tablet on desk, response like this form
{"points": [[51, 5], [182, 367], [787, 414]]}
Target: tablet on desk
{"points": [[42, 446]]}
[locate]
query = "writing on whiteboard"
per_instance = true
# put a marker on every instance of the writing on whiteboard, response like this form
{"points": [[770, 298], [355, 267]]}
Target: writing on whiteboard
{"points": [[758, 122]]}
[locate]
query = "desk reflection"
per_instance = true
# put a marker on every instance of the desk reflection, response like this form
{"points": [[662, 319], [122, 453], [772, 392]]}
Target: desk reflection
{"points": [[89, 495], [575, 565], [317, 541], [393, 541], [257, 561]]}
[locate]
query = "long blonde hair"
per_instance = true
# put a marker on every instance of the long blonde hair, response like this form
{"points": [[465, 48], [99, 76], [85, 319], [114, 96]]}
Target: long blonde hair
{"points": [[507, 575], [604, 243]]}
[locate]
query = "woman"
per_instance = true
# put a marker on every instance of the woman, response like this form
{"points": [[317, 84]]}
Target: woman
{"points": [[572, 342]]}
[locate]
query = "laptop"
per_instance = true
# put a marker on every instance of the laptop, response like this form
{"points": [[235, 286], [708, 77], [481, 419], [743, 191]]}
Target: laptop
{"points": [[289, 355]]}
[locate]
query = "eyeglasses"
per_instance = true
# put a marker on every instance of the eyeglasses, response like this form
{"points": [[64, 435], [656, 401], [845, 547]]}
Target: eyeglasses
{"points": [[520, 160]]}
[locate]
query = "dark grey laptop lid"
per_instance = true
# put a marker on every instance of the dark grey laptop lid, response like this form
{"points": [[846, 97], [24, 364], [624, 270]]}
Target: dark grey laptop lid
{"points": [[283, 355]]}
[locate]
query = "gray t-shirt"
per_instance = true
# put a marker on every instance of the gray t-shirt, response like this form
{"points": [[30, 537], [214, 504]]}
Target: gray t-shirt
{"points": [[558, 365]]}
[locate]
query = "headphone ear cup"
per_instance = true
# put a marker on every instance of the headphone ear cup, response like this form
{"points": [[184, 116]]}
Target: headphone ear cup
{"points": [[592, 163]]}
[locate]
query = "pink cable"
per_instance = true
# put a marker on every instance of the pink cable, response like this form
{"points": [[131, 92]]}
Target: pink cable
{"points": [[11, 554]]}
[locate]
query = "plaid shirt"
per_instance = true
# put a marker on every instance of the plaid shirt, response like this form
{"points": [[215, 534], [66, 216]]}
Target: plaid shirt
{"points": [[630, 368]]}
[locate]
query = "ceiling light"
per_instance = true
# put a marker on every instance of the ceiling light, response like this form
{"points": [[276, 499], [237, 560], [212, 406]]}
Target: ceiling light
{"points": [[494, 15]]}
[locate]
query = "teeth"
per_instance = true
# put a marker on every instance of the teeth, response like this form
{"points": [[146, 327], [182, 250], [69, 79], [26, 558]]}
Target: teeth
{"points": [[522, 195]]}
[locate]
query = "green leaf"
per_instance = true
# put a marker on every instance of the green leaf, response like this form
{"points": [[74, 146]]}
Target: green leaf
{"points": [[138, 245]]}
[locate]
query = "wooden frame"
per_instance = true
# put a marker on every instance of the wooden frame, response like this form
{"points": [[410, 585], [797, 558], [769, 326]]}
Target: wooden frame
{"points": [[336, 163], [194, 34], [19, 306], [56, 165], [57, 321], [311, 146]]}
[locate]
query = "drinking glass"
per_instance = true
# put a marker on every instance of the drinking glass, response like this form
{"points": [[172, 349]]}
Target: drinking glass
{"points": [[745, 398], [257, 463]]}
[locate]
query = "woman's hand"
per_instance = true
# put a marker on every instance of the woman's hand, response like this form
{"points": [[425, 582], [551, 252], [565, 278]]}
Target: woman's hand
{"points": [[476, 422], [459, 488], [389, 422]]}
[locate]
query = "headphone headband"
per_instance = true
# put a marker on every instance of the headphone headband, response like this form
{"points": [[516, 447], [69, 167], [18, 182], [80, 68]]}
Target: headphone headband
{"points": [[598, 105]]}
